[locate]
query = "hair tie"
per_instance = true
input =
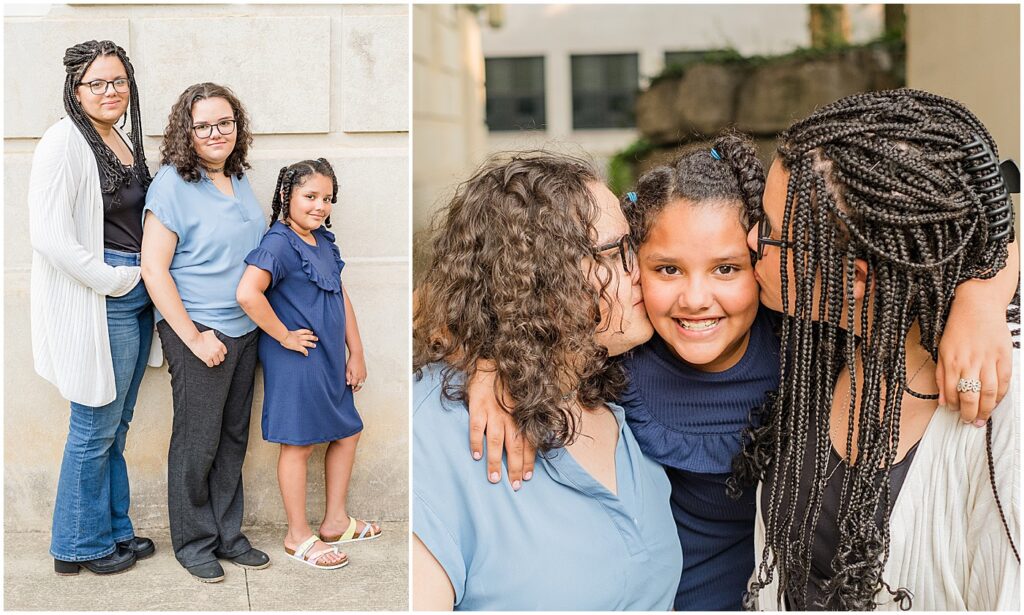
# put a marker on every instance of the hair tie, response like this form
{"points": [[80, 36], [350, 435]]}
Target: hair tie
{"points": [[715, 154], [632, 197]]}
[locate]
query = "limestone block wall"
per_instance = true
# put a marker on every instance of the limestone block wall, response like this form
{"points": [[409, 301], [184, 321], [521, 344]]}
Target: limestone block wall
{"points": [[317, 80]]}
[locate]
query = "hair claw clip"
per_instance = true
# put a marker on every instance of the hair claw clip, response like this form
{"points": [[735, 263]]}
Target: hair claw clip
{"points": [[981, 163]]}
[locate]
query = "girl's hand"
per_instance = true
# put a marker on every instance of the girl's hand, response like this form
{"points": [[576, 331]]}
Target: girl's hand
{"points": [[355, 371], [488, 419], [208, 348], [976, 344], [299, 340]]}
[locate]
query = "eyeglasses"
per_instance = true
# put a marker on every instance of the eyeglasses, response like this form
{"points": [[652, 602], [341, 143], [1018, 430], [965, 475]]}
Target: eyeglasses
{"points": [[224, 127], [627, 252], [99, 86], [764, 237]]}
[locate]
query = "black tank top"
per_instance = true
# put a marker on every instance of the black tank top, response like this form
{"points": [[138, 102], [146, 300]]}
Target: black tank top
{"points": [[122, 222], [826, 532]]}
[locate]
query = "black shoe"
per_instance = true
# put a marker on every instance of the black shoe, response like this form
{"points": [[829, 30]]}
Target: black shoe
{"points": [[210, 572], [141, 547], [118, 561], [253, 559]]}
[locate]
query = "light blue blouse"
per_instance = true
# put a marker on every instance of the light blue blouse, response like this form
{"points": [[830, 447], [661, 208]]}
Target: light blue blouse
{"points": [[215, 233], [562, 542]]}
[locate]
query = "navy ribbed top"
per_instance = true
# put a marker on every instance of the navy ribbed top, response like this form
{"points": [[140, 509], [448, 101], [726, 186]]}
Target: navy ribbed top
{"points": [[691, 422]]}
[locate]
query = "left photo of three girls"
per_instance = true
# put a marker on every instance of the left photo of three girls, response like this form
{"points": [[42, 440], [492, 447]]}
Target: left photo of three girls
{"points": [[207, 278]]}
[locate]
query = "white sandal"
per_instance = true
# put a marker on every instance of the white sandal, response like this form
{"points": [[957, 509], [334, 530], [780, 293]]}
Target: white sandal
{"points": [[302, 554]]}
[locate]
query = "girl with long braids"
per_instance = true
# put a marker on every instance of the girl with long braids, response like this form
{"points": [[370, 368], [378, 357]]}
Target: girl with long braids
{"points": [[879, 208], [202, 218], [292, 290], [714, 358], [92, 320]]}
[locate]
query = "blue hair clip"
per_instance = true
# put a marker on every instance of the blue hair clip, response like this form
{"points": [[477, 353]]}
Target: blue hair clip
{"points": [[632, 197], [715, 154]]}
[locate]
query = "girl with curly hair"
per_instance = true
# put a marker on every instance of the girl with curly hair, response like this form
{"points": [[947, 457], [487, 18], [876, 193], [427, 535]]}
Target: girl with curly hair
{"points": [[714, 358], [534, 270], [202, 219], [92, 320], [879, 208], [292, 290]]}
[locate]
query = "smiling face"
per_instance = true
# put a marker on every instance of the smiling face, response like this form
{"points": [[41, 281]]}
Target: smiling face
{"points": [[310, 203], [698, 283], [106, 108], [214, 149], [624, 323]]}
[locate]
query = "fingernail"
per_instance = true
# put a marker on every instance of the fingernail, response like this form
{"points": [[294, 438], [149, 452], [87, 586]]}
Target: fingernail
{"points": [[516, 485], [494, 477], [980, 423], [528, 476], [476, 455]]}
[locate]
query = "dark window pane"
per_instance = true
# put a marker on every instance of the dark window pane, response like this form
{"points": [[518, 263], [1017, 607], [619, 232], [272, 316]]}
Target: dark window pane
{"points": [[604, 89], [515, 93]]}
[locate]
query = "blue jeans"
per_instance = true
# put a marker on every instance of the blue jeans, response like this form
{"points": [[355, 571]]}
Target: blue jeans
{"points": [[91, 512]]}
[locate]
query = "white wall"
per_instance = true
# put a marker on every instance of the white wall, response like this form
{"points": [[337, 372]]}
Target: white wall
{"points": [[448, 107], [317, 80]]}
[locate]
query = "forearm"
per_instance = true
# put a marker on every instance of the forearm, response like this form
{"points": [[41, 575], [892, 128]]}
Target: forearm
{"points": [[352, 339], [256, 306], [164, 294], [995, 292]]}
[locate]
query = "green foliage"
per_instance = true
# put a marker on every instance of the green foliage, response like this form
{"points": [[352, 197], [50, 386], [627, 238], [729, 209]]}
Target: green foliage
{"points": [[620, 166]]}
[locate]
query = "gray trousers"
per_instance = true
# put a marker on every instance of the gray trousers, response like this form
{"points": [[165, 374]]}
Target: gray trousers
{"points": [[210, 432]]}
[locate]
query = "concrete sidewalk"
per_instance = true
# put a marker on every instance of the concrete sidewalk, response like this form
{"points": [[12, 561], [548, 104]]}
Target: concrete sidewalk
{"points": [[375, 580]]}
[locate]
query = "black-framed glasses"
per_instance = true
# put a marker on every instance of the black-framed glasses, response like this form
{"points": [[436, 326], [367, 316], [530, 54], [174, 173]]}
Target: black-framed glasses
{"points": [[99, 86], [764, 237], [626, 249], [224, 127]]}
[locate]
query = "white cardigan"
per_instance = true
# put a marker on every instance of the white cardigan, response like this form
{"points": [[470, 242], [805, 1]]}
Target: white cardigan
{"points": [[947, 542], [70, 281]]}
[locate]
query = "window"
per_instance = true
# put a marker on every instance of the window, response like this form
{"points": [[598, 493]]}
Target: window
{"points": [[604, 88], [515, 93]]}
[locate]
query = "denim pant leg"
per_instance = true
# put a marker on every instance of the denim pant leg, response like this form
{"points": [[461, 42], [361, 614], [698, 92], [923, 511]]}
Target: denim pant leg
{"points": [[82, 524], [120, 493]]}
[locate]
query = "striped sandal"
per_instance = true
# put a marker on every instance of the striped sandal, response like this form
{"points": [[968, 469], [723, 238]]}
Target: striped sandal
{"points": [[302, 554], [368, 533]]}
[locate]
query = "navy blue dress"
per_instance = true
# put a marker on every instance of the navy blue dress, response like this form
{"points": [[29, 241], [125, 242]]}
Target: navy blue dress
{"points": [[691, 423], [306, 400]]}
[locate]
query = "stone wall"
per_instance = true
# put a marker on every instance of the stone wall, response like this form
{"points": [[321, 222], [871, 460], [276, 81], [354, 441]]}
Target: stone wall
{"points": [[317, 80], [760, 98]]}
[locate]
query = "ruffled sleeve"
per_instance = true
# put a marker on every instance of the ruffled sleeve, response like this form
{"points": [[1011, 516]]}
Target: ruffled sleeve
{"points": [[265, 260]]}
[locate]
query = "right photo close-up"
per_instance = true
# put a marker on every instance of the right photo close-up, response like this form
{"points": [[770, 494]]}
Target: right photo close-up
{"points": [[715, 307]]}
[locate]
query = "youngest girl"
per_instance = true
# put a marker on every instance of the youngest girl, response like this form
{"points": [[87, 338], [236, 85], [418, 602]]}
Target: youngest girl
{"points": [[292, 290]]}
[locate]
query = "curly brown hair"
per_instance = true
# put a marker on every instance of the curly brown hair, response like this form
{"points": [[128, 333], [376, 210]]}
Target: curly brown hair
{"points": [[510, 282], [177, 149]]}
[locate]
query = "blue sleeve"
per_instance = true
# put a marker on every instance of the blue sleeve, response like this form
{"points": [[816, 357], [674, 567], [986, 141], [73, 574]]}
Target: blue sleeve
{"points": [[439, 508], [160, 200], [262, 258]]}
